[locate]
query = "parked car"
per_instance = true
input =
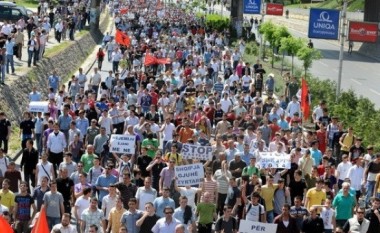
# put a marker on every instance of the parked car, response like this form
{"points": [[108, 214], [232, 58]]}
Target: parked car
{"points": [[9, 11]]}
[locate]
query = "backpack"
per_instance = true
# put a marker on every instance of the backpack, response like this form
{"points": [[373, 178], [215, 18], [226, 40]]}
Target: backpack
{"points": [[220, 222], [249, 208]]}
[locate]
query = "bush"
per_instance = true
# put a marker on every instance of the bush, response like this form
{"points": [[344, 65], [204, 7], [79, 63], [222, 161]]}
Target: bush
{"points": [[352, 110], [217, 22]]}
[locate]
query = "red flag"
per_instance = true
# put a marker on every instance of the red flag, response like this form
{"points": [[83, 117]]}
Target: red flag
{"points": [[123, 11], [41, 225], [122, 38], [150, 60], [4, 226], [305, 105], [164, 61]]}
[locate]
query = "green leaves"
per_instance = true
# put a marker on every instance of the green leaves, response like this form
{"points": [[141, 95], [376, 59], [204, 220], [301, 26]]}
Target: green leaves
{"points": [[307, 55]]}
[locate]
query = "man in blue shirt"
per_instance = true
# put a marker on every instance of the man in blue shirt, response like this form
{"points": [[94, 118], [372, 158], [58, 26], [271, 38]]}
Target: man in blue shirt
{"points": [[54, 80], [103, 182], [161, 202], [9, 54], [131, 216], [315, 153]]}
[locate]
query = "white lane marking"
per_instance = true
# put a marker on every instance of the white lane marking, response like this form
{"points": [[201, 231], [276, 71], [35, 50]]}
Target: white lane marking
{"points": [[377, 93], [355, 81], [322, 63]]}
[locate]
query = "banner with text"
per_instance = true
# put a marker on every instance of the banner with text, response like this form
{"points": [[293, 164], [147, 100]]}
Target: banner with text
{"points": [[324, 23], [275, 9], [363, 32], [124, 144], [252, 6], [39, 106], [247, 226], [192, 174], [274, 160], [190, 151]]}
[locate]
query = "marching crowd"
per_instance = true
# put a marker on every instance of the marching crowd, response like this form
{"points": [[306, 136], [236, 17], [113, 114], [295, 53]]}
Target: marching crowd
{"points": [[205, 95]]}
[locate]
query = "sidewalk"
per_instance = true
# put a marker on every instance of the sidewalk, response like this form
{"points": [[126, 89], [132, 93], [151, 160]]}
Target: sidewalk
{"points": [[86, 65]]}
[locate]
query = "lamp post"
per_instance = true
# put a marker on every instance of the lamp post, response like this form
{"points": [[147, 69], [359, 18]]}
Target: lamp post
{"points": [[261, 49], [341, 52]]}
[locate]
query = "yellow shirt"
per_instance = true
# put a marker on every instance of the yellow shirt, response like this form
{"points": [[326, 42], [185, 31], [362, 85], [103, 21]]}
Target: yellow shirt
{"points": [[7, 199], [315, 197], [378, 181], [114, 219], [177, 157], [268, 193]]}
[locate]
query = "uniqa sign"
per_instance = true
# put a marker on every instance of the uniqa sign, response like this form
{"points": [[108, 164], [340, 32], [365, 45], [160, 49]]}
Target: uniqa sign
{"points": [[252, 6], [324, 23]]}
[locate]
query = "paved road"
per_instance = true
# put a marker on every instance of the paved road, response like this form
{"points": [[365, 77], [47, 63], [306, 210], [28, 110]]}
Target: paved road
{"points": [[360, 72]]}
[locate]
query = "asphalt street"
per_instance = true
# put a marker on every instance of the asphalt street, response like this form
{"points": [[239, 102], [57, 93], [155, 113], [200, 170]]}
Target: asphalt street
{"points": [[360, 72]]}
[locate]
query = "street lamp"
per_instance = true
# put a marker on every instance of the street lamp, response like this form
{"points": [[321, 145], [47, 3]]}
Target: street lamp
{"points": [[341, 52], [261, 51]]}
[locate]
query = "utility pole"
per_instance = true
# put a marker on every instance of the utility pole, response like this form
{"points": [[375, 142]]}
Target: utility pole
{"points": [[261, 49], [341, 53], [94, 14]]}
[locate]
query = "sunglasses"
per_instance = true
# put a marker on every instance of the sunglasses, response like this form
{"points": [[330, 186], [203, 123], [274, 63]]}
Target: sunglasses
{"points": [[168, 212]]}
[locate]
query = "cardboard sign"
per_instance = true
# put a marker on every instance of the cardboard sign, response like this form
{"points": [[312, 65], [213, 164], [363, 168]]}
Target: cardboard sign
{"points": [[124, 144], [324, 24], [39, 106], [274, 160], [190, 151], [247, 226], [363, 32], [191, 174]]}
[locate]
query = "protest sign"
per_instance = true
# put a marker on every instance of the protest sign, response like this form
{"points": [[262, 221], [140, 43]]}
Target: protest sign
{"points": [[274, 160], [39, 106], [191, 174], [247, 226], [122, 143], [190, 151]]}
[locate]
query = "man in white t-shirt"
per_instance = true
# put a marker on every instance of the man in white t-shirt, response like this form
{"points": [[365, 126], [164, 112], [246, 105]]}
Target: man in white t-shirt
{"points": [[4, 161], [82, 203], [226, 103], [168, 130], [253, 210], [145, 194]]}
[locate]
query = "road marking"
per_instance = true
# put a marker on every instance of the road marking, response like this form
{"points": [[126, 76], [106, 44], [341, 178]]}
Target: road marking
{"points": [[356, 81], [322, 63], [377, 93]]}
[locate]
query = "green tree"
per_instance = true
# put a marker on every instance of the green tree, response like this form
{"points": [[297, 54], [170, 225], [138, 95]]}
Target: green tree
{"points": [[307, 56], [291, 45], [267, 29], [278, 35]]}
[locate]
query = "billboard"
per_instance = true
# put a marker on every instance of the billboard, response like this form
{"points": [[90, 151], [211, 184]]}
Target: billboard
{"points": [[363, 32], [275, 9], [324, 24], [252, 6]]}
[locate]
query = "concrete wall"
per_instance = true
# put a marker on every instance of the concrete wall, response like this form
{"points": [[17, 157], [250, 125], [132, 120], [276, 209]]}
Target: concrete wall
{"points": [[14, 98]]}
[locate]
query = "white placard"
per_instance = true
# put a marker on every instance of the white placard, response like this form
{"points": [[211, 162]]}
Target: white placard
{"points": [[274, 160], [190, 151], [247, 226], [123, 143], [39, 106], [189, 174]]}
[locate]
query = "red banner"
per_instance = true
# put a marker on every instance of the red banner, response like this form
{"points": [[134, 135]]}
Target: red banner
{"points": [[122, 38], [363, 32], [275, 9]]}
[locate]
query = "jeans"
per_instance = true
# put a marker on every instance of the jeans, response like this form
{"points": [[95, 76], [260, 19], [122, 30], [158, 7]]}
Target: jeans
{"points": [[39, 142], [52, 221], [370, 188], [5, 141], [115, 66], [2, 73], [30, 177], [31, 57], [270, 216], [10, 62]]}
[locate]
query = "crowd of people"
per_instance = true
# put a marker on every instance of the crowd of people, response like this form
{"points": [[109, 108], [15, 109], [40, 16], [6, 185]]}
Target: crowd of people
{"points": [[33, 33], [206, 95]]}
